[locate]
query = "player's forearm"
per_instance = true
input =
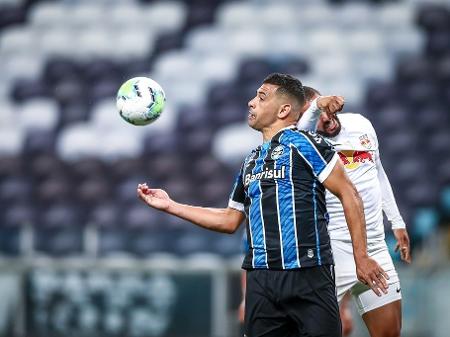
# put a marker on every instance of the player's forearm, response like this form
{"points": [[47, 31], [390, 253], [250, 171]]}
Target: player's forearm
{"points": [[310, 117], [354, 215], [389, 205], [216, 219]]}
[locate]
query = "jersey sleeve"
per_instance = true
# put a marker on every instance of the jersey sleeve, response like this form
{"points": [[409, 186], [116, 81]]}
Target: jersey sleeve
{"points": [[308, 121], [318, 153], [237, 196]]}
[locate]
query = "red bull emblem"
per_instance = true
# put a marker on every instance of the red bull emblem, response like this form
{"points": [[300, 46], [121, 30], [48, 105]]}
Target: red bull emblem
{"points": [[353, 159], [365, 141]]}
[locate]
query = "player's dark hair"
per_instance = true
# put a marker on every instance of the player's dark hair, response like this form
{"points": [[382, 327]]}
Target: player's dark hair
{"points": [[310, 92], [288, 85]]}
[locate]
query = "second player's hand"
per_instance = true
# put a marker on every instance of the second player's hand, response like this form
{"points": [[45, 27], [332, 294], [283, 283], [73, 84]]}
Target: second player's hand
{"points": [[155, 198], [371, 274], [330, 104], [402, 245]]}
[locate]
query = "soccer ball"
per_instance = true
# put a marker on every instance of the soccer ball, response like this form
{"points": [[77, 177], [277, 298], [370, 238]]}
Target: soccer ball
{"points": [[140, 100]]}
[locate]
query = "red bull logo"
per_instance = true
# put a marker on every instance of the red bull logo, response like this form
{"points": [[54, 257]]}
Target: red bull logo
{"points": [[353, 159]]}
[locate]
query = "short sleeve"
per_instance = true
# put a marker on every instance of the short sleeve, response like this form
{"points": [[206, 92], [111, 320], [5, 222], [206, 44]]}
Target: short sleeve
{"points": [[237, 196], [318, 153]]}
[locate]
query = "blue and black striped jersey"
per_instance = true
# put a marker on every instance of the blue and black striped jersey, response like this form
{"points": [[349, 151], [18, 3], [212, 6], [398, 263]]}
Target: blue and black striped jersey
{"points": [[280, 190]]}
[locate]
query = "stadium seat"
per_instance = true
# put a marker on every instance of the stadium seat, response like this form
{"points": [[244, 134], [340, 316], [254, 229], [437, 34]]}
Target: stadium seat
{"points": [[39, 114], [11, 140], [77, 141], [17, 40], [106, 215], [49, 14], [235, 15], [15, 189]]}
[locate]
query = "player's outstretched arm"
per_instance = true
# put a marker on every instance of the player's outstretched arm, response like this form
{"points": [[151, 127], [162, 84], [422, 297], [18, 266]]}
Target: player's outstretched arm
{"points": [[328, 104], [225, 220], [368, 270]]}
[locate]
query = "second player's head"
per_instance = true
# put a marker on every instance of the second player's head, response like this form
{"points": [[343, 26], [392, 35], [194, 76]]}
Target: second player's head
{"points": [[278, 103], [327, 125]]}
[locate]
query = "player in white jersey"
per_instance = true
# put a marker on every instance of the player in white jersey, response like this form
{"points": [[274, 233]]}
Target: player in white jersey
{"points": [[354, 137]]}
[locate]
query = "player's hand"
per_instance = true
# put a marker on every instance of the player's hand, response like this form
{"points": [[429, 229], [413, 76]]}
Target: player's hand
{"points": [[371, 274], [330, 104], [401, 234], [155, 198]]}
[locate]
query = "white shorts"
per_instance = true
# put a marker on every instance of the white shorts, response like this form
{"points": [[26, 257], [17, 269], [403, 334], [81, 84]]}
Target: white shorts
{"points": [[346, 280]]}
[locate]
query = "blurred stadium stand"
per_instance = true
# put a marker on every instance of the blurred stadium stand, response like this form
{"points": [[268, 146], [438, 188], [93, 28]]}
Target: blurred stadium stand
{"points": [[67, 161]]}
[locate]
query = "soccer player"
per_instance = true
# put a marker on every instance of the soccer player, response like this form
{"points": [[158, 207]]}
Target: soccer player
{"points": [[354, 137], [280, 191]]}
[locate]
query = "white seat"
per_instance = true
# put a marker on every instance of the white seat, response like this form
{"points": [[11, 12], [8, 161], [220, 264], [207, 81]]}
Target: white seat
{"points": [[25, 65], [58, 42], [185, 91], [129, 43], [49, 14], [8, 115], [120, 143], [313, 15], [236, 15], [17, 40], [404, 41], [218, 68], [95, 43], [164, 15], [105, 116], [11, 140], [250, 42], [79, 141], [206, 40], [85, 15], [324, 41], [175, 64], [278, 16], [232, 143], [354, 15], [124, 14], [332, 65], [39, 114], [376, 66], [391, 16], [286, 42], [364, 43]]}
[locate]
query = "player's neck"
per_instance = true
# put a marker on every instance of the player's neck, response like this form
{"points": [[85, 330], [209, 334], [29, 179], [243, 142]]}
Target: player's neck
{"points": [[272, 130]]}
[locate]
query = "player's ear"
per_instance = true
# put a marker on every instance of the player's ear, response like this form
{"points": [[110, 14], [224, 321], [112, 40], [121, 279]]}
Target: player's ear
{"points": [[285, 110]]}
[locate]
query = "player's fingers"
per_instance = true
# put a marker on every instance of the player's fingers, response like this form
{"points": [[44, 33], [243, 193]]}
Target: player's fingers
{"points": [[382, 280], [142, 195], [372, 285], [385, 275], [405, 254], [408, 256]]}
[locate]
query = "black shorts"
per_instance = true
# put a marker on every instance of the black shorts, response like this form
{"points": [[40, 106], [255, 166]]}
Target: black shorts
{"points": [[288, 303]]}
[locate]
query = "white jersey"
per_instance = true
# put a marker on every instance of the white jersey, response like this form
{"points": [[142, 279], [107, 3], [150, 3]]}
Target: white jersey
{"points": [[357, 146]]}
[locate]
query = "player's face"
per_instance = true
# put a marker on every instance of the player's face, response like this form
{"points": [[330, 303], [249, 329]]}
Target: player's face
{"points": [[328, 126], [263, 108]]}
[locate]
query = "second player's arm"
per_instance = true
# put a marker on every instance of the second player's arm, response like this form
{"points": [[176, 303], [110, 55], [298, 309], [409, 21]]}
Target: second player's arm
{"points": [[225, 220], [367, 269]]}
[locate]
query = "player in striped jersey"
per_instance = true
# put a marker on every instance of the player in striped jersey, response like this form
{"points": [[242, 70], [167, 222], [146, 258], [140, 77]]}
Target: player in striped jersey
{"points": [[280, 190], [355, 139]]}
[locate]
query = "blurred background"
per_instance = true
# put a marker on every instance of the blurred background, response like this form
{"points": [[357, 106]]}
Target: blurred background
{"points": [[81, 256]]}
